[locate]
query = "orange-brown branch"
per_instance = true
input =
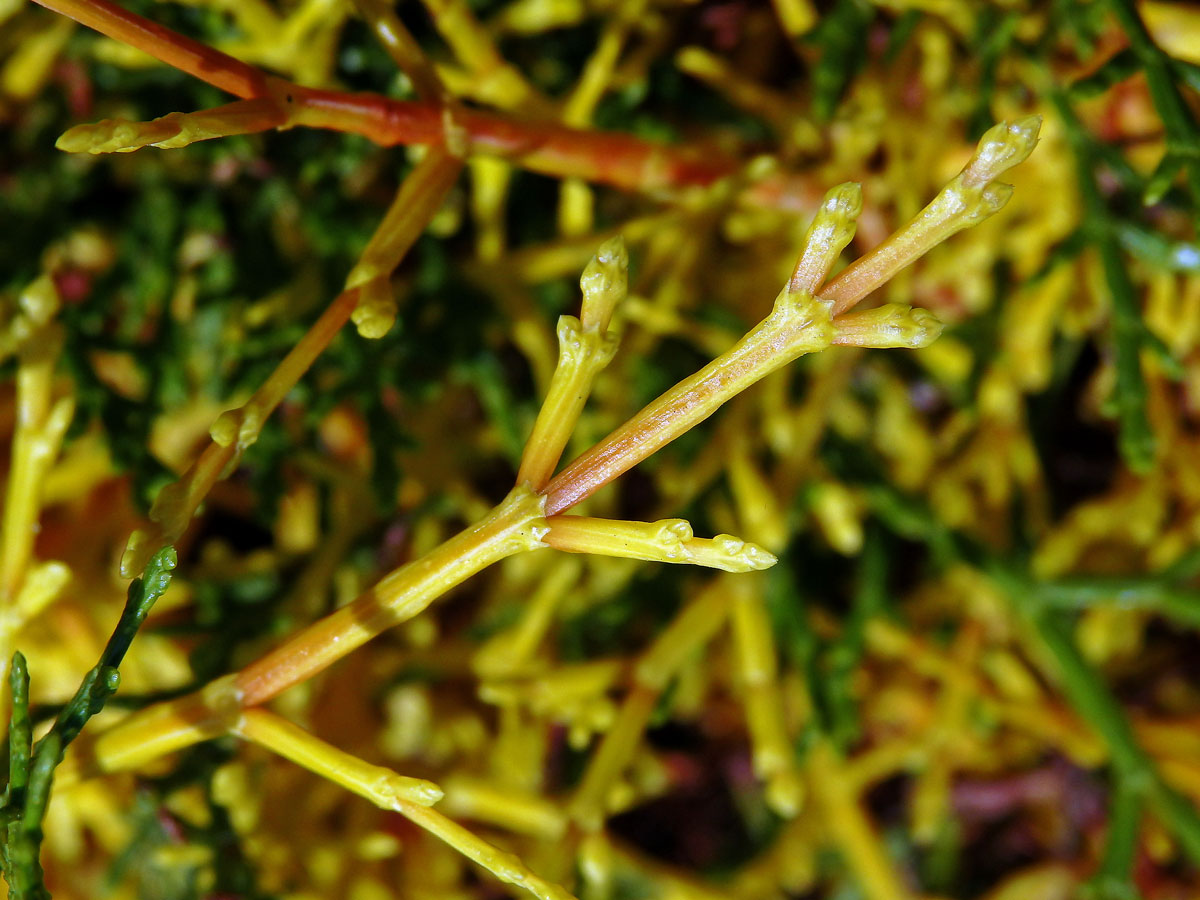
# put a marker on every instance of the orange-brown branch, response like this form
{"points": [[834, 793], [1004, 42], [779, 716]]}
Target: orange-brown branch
{"points": [[620, 160]]}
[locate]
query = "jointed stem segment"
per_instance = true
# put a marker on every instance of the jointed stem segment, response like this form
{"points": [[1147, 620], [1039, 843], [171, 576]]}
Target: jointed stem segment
{"points": [[516, 525]]}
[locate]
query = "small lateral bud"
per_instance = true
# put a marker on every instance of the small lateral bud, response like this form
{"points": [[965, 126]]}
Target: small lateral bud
{"points": [[390, 787], [224, 428], [240, 426], [891, 325], [376, 311], [605, 282]]}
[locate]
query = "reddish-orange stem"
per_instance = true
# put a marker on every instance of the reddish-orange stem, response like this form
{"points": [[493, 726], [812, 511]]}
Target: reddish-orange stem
{"points": [[620, 160], [217, 68]]}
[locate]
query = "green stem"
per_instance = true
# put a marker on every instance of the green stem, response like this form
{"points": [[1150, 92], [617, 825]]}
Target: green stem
{"points": [[1136, 439], [1183, 135], [1092, 699], [1114, 879]]}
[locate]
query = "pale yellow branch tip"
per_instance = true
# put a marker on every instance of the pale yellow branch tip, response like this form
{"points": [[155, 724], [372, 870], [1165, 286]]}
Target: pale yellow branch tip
{"points": [[975, 194], [891, 325], [1004, 145], [667, 540], [604, 283], [173, 130]]}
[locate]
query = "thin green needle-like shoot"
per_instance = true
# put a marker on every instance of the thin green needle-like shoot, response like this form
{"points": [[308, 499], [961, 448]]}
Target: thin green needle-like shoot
{"points": [[31, 771]]}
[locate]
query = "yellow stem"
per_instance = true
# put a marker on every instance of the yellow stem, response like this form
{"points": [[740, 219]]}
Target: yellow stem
{"points": [[849, 827], [403, 48], [971, 196], [668, 540], [177, 503], [511, 650], [234, 430], [797, 325], [408, 796], [38, 433], [418, 199], [512, 527], [175, 129], [581, 356], [524, 813], [773, 754]]}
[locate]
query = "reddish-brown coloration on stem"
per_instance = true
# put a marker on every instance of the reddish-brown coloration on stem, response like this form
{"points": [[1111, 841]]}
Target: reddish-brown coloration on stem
{"points": [[620, 160]]}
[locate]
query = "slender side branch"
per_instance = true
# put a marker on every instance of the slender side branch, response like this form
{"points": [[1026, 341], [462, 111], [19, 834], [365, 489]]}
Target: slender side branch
{"points": [[40, 427], [416, 201], [831, 230], [585, 347], [850, 828], [403, 48], [797, 325], [757, 668], [800, 324], [367, 299], [689, 631], [623, 161], [971, 196], [668, 540], [411, 797], [381, 786], [514, 526], [177, 502]]}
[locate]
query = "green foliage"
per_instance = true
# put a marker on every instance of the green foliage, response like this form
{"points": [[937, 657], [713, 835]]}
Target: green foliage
{"points": [[31, 768]]}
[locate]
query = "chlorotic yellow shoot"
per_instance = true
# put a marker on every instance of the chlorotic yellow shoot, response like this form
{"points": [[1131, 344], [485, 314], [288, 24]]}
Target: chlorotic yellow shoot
{"points": [[380, 785], [604, 284], [890, 325], [668, 540], [970, 197], [175, 129]]}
